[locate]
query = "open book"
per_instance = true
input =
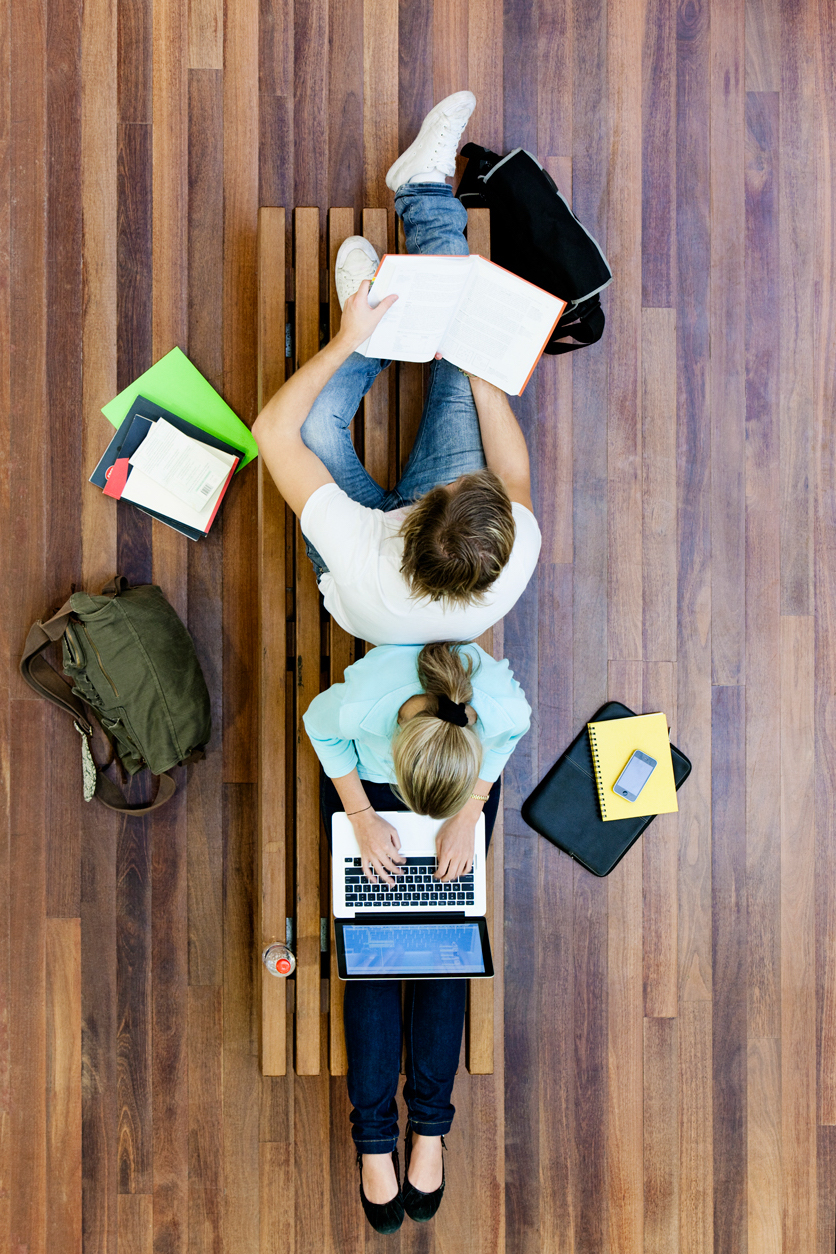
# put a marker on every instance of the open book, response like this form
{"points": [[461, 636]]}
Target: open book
{"points": [[477, 315]]}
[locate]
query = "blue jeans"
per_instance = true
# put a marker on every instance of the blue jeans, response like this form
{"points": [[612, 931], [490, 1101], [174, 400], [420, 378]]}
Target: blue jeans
{"points": [[433, 1020], [449, 442]]}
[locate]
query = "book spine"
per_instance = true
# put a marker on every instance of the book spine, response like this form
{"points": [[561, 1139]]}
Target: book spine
{"points": [[596, 766]]}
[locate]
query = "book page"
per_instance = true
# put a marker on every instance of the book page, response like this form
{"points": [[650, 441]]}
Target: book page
{"points": [[191, 470], [500, 327], [143, 490], [428, 288]]}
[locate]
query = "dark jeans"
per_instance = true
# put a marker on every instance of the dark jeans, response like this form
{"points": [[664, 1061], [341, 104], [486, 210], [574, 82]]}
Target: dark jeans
{"points": [[433, 1020]]}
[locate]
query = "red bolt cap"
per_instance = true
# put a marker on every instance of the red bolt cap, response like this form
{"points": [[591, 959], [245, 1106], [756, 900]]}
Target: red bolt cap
{"points": [[283, 965]]}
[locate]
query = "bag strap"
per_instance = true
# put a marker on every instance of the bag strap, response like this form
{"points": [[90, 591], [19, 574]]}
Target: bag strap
{"points": [[587, 328], [48, 684]]}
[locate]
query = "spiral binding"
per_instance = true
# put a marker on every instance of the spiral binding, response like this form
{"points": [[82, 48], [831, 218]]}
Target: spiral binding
{"points": [[597, 768]]}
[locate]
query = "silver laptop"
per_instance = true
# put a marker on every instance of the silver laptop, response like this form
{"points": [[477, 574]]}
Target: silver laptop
{"points": [[419, 929]]}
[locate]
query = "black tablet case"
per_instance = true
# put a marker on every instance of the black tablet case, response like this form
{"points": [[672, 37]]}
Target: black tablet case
{"points": [[564, 806]]}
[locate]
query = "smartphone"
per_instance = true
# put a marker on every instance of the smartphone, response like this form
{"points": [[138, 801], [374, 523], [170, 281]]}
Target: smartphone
{"points": [[634, 776]]}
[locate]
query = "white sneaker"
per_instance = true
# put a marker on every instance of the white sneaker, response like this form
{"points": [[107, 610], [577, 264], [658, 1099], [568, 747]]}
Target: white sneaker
{"points": [[356, 261], [437, 142]]}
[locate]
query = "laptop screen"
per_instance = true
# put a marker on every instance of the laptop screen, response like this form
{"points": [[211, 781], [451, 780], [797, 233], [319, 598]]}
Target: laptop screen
{"points": [[413, 948]]}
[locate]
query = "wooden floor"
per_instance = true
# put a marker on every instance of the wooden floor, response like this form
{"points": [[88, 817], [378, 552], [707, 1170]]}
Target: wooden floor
{"points": [[670, 1032]]}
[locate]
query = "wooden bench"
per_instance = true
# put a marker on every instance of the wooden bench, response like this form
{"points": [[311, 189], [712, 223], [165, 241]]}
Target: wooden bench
{"points": [[302, 650]]}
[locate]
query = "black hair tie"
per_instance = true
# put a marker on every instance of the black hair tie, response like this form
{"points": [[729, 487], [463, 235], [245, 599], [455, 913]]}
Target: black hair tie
{"points": [[451, 711]]}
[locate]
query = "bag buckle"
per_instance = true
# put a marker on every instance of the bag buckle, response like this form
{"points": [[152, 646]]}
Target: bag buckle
{"points": [[88, 766]]}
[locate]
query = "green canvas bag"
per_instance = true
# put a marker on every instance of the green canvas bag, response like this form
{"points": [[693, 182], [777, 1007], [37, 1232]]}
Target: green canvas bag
{"points": [[133, 663]]}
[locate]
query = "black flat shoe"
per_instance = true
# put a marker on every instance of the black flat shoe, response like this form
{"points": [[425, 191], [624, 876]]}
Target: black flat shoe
{"points": [[385, 1217], [421, 1206]]}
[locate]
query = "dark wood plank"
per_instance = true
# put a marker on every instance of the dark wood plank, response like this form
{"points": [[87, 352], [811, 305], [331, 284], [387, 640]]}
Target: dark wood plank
{"points": [[240, 602], [624, 1017], [28, 1130], [135, 57], [727, 376], [799, 266], [345, 104], [589, 936], [826, 1164], [624, 427], [99, 316], [63, 1084], [693, 450], [310, 102], [589, 377], [728, 879], [661, 1136], [660, 863], [658, 487], [380, 101], [762, 469], [99, 1028], [241, 1079], [133, 317], [484, 58], [659, 155], [206, 1119], [798, 873], [450, 47], [6, 1148], [275, 105], [825, 481], [27, 381], [133, 1001], [169, 1008]]}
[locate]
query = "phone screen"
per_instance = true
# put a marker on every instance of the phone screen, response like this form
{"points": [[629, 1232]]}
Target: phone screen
{"points": [[635, 775]]}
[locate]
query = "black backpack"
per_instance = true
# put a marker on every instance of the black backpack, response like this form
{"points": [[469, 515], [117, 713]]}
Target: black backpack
{"points": [[535, 234]]}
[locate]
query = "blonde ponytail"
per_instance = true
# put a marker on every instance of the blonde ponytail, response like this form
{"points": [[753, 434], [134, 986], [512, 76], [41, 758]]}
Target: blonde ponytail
{"points": [[437, 763]]}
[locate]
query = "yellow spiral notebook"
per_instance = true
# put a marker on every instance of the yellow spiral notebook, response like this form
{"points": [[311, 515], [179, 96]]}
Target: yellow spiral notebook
{"points": [[613, 742]]}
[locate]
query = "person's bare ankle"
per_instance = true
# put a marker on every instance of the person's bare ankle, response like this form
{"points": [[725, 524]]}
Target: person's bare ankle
{"points": [[380, 1184], [425, 1170]]}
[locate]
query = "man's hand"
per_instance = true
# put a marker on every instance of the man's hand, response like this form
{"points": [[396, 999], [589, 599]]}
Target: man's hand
{"points": [[359, 318], [454, 846], [379, 846]]}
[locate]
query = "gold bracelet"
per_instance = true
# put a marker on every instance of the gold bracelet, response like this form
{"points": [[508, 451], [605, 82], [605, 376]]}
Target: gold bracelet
{"points": [[368, 807], [475, 796]]}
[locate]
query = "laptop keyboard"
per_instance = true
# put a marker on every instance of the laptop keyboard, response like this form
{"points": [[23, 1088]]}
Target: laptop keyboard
{"points": [[415, 889]]}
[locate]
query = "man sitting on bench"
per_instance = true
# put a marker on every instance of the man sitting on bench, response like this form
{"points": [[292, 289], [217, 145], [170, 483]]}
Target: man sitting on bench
{"points": [[447, 552]]}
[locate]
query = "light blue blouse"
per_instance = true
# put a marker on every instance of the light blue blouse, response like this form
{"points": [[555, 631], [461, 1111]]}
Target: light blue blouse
{"points": [[352, 723]]}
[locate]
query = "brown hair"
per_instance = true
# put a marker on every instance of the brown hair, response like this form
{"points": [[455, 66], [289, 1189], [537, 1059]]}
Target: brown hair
{"points": [[455, 542], [437, 763]]}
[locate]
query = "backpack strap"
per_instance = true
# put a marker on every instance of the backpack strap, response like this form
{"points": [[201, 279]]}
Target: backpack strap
{"points": [[585, 324], [48, 684]]}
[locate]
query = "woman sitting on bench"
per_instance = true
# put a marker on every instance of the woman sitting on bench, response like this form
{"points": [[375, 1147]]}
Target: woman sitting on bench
{"points": [[430, 730]]}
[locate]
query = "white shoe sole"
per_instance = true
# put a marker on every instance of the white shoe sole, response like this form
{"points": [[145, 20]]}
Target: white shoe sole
{"points": [[347, 283], [419, 156]]}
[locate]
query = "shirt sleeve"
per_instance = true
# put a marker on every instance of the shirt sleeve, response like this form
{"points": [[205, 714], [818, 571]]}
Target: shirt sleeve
{"points": [[346, 534], [322, 723]]}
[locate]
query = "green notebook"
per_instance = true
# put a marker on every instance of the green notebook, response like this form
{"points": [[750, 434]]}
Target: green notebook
{"points": [[176, 384]]}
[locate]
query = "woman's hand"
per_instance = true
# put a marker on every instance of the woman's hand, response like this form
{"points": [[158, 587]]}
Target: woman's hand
{"points": [[359, 318], [379, 846], [454, 846]]}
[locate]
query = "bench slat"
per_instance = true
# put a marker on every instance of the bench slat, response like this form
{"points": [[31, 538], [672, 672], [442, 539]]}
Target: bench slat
{"points": [[272, 781], [481, 1002], [340, 226], [307, 677], [378, 407]]}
